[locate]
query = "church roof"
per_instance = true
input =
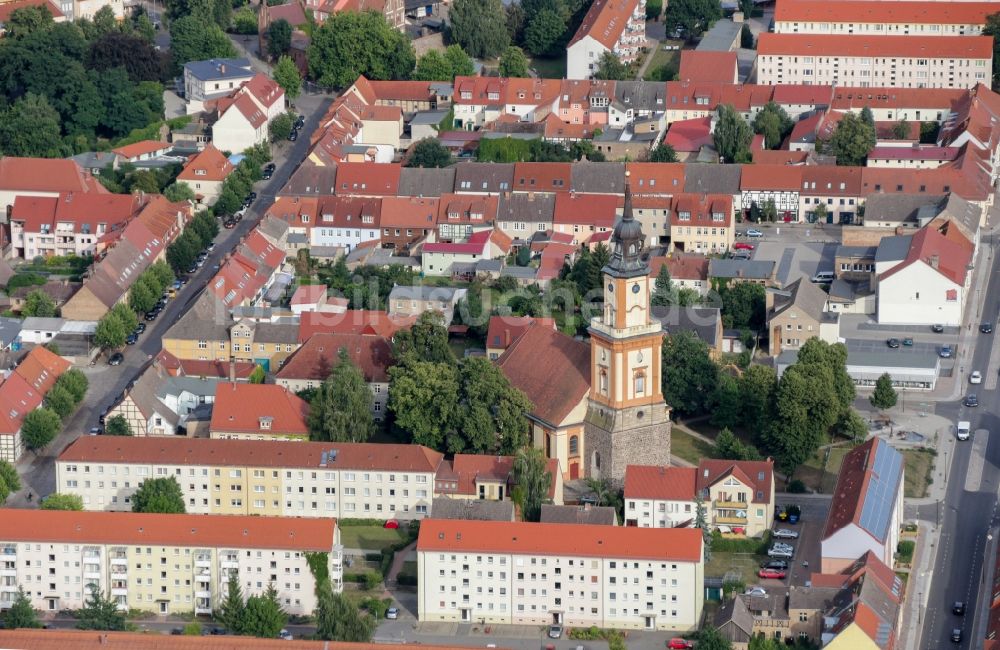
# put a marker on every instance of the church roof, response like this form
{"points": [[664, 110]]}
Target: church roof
{"points": [[626, 242]]}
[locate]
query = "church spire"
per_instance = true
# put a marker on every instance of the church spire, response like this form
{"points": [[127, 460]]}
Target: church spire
{"points": [[627, 242]]}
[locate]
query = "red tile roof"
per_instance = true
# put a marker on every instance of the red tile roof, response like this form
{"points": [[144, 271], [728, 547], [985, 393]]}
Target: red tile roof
{"points": [[931, 247], [689, 136], [572, 540], [246, 107], [402, 90], [137, 149], [360, 321], [208, 165], [370, 179], [252, 453], [856, 475], [266, 90], [241, 408], [41, 367], [771, 177], [702, 65], [799, 95], [17, 397], [863, 45], [318, 356], [660, 483], [230, 531], [296, 211], [309, 294], [655, 178], [504, 330], [542, 177], [681, 267], [702, 209], [409, 212], [605, 21], [854, 98], [348, 212], [596, 210], [755, 474], [467, 208], [556, 392], [45, 175], [293, 12], [7, 8], [923, 152], [779, 157], [830, 180], [861, 11], [706, 96]]}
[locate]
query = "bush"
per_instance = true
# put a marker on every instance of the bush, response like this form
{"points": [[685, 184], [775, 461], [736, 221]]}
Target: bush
{"points": [[904, 551], [25, 280], [192, 629], [797, 487]]}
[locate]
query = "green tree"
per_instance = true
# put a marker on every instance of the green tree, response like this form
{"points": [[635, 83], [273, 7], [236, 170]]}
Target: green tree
{"points": [[513, 62], [179, 192], [774, 124], [732, 136], [610, 66], [426, 340], [39, 428], [819, 213], [264, 616], [100, 612], [867, 116], [245, 21], [662, 153], [901, 130], [532, 480], [28, 20], [39, 303], [701, 522], [192, 39], [689, 375], [104, 21], [654, 9], [279, 38], [117, 425], [144, 27], [852, 426], [160, 270], [992, 28], [21, 614], [350, 44], [744, 306], [56, 501], [10, 482], [461, 64], [832, 356], [232, 609], [433, 66], [126, 317], [342, 408], [757, 388], [805, 409], [424, 398], [31, 128], [770, 211], [725, 401], [479, 26], [851, 141], [161, 495], [709, 638], [75, 383], [663, 289], [729, 447], [61, 401], [338, 619], [257, 376], [141, 297], [746, 37], [281, 127], [543, 32], [491, 411], [884, 396], [692, 17], [286, 74], [429, 152]]}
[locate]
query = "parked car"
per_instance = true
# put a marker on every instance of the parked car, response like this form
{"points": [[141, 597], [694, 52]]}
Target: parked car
{"points": [[824, 277], [755, 591], [774, 564], [678, 643], [937, 327], [239, 213], [266, 174], [958, 609], [151, 315], [784, 533], [986, 328], [945, 352], [555, 631], [780, 552], [782, 546], [753, 232], [743, 246], [956, 635], [740, 255], [300, 121], [285, 635], [892, 343], [971, 400], [140, 328], [976, 377], [229, 224], [116, 359], [293, 136], [772, 574], [392, 613], [132, 339], [908, 342]]}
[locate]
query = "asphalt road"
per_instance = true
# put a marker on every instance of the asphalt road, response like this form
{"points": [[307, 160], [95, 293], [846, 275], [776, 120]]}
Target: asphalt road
{"points": [[969, 509], [108, 383]]}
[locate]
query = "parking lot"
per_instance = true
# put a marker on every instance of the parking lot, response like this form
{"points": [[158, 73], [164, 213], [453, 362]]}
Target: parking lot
{"points": [[807, 545]]}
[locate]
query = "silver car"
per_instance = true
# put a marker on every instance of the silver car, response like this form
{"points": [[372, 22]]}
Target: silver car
{"points": [[784, 533]]}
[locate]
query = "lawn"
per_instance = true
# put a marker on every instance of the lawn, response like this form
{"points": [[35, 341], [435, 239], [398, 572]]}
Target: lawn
{"points": [[370, 538], [686, 446], [917, 472], [743, 565], [663, 58], [820, 471]]}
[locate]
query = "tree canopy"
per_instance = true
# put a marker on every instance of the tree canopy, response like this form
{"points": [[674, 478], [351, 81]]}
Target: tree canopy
{"points": [[851, 141], [662, 152], [350, 44], [774, 124], [193, 39], [286, 74], [341, 410], [689, 375], [56, 501], [609, 66], [732, 136], [10, 482], [692, 17], [21, 614], [39, 428], [513, 62], [532, 481], [100, 612], [38, 303], [429, 152], [161, 495], [279, 38], [479, 26], [884, 396], [117, 425]]}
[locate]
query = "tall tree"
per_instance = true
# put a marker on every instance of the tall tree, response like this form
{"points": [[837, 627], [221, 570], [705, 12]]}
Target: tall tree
{"points": [[117, 425], [884, 396], [729, 447], [38, 303], [27, 20], [433, 66], [479, 26], [513, 62], [423, 397], [126, 317], [192, 39], [773, 122], [279, 38], [662, 153], [901, 130], [10, 482], [744, 306], [31, 128], [39, 428], [429, 152], [689, 375], [805, 409], [732, 136], [162, 495], [757, 386], [532, 481], [459, 62], [264, 616], [100, 612], [663, 289], [701, 523], [725, 403], [342, 408], [286, 74], [491, 411], [56, 501], [232, 609], [851, 141], [692, 17], [426, 340], [60, 401], [609, 66], [21, 614], [834, 357], [338, 619], [543, 32], [104, 21], [350, 44]]}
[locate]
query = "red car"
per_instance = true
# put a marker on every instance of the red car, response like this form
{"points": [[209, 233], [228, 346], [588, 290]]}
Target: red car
{"points": [[391, 523], [774, 574], [743, 246], [678, 643]]}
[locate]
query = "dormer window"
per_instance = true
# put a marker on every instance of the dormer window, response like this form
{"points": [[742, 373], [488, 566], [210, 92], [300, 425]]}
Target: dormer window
{"points": [[200, 172], [265, 422], [684, 216], [718, 216]]}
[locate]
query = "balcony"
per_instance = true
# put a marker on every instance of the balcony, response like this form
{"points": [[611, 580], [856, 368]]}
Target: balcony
{"points": [[229, 564], [203, 594], [119, 561], [119, 591], [203, 563], [725, 503], [92, 575], [9, 551], [8, 573], [202, 610], [203, 577], [730, 518]]}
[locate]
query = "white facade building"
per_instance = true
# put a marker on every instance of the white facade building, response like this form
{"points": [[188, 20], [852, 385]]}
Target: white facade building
{"points": [[616, 26]]}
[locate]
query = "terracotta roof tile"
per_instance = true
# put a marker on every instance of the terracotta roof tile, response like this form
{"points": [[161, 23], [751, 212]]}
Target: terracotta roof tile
{"points": [[861, 11], [137, 149], [359, 321], [701, 65], [939, 47], [542, 177], [853, 482], [597, 210], [408, 212], [656, 178], [771, 177], [368, 179], [689, 136], [929, 246], [660, 483], [605, 21], [208, 165], [41, 367], [45, 174], [241, 408], [757, 474], [317, 357], [504, 330], [681, 267]]}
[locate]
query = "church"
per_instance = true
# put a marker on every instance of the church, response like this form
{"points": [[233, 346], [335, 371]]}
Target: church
{"points": [[598, 406]]}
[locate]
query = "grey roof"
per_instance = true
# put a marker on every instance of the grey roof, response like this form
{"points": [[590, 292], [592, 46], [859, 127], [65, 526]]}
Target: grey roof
{"points": [[431, 118], [720, 37], [219, 69], [273, 228], [489, 266], [194, 385], [816, 598], [9, 330], [892, 359], [311, 180], [734, 612], [298, 238], [703, 321], [802, 294], [255, 312], [640, 95], [966, 215], [484, 177], [898, 207], [6, 272], [746, 269], [893, 249], [325, 251], [477, 509], [145, 393], [95, 159], [42, 324], [712, 179], [600, 515], [278, 286], [856, 251], [523, 272], [442, 88], [425, 292], [276, 333], [417, 181], [842, 290], [533, 208], [598, 177], [207, 320]]}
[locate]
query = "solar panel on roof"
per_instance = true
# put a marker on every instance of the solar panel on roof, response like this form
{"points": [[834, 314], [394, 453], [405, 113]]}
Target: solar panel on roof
{"points": [[886, 472]]}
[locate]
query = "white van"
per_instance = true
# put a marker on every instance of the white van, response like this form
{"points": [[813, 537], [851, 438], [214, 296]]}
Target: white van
{"points": [[962, 430], [823, 277]]}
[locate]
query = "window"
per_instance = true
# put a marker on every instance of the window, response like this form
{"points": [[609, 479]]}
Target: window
{"points": [[574, 445]]}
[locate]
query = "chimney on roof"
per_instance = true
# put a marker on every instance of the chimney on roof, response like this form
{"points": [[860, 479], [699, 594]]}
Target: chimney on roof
{"points": [[506, 338], [222, 68], [232, 371], [934, 261]]}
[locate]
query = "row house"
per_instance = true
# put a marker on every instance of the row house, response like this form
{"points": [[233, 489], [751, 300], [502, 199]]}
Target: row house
{"points": [[522, 215], [482, 477], [738, 495], [246, 115], [688, 100], [701, 223], [582, 215], [345, 222], [245, 276], [639, 106], [761, 184], [256, 477], [205, 173], [243, 411], [22, 391], [890, 61], [579, 575], [835, 188], [584, 101], [160, 404], [46, 177], [918, 19], [406, 221], [166, 563], [610, 26], [410, 96], [460, 215], [68, 224], [461, 259]]}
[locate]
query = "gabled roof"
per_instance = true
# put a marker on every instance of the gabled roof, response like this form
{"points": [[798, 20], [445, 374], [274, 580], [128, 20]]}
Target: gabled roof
{"points": [[526, 207], [661, 483], [491, 178], [137, 149], [863, 45], [348, 212], [949, 258], [542, 177], [40, 368], [317, 357], [247, 108], [755, 474], [605, 21], [905, 12], [655, 178], [504, 330], [566, 382], [803, 294], [264, 89], [426, 182], [358, 321], [867, 486], [689, 136], [787, 178], [370, 179], [702, 65], [681, 267], [408, 212], [240, 408], [207, 165], [595, 210], [45, 175], [594, 515]]}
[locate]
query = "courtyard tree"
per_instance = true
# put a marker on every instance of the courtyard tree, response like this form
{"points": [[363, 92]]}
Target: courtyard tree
{"points": [[341, 411], [532, 481], [480, 27], [884, 396], [162, 495]]}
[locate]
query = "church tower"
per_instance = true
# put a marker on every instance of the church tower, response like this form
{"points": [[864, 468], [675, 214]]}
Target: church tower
{"points": [[627, 423]]}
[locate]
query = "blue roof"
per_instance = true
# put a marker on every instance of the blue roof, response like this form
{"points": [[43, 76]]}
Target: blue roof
{"points": [[886, 473], [219, 68]]}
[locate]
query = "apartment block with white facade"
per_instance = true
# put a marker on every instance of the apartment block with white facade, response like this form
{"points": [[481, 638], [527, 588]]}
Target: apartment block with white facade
{"points": [[905, 18], [615, 26], [568, 574], [255, 477], [886, 61], [345, 222], [163, 563]]}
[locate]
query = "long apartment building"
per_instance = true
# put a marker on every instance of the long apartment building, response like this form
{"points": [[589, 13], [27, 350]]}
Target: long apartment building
{"points": [[255, 477], [905, 18], [579, 575], [887, 61], [167, 564]]}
